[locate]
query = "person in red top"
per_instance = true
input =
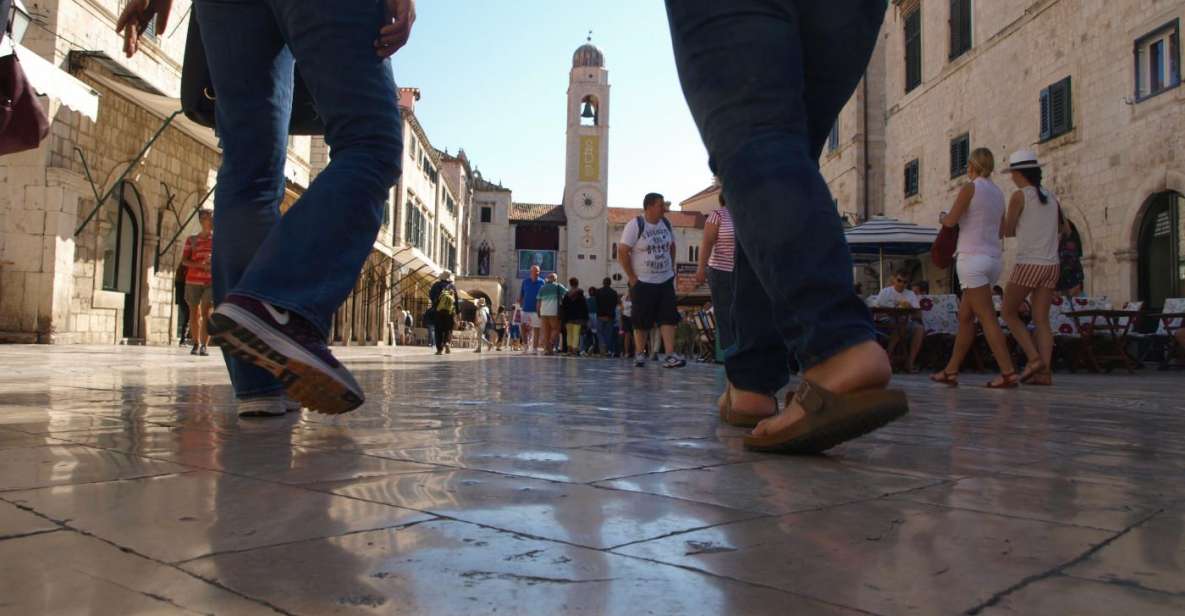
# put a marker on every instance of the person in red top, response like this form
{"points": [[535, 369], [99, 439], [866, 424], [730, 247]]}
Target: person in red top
{"points": [[198, 293]]}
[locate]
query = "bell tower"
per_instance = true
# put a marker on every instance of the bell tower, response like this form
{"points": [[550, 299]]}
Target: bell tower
{"points": [[586, 172]]}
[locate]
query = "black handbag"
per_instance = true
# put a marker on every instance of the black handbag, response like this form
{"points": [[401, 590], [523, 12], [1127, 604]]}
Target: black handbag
{"points": [[198, 97]]}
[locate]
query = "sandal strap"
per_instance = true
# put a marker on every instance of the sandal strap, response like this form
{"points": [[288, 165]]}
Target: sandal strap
{"points": [[812, 398]]}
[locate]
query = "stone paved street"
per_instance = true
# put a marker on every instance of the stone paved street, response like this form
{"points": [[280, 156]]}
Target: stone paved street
{"points": [[479, 484]]}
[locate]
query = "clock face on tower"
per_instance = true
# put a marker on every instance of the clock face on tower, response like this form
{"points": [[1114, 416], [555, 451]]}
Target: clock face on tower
{"points": [[588, 204]]}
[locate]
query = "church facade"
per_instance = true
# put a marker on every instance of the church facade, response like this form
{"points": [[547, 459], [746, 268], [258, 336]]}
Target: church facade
{"points": [[576, 238]]}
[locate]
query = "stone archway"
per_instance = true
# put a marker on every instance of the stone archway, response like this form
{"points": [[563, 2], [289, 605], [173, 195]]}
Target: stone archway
{"points": [[1127, 253]]}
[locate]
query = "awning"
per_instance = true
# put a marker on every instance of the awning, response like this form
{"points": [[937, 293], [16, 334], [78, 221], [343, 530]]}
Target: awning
{"points": [[162, 107], [888, 236], [53, 82]]}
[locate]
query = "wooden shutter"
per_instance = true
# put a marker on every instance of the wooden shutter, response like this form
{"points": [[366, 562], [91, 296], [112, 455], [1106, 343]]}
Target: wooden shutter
{"points": [[959, 154], [1060, 108], [1046, 116], [913, 49], [960, 27]]}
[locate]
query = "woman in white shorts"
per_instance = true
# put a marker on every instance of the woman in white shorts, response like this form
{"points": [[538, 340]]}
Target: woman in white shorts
{"points": [[979, 213], [1033, 219]]}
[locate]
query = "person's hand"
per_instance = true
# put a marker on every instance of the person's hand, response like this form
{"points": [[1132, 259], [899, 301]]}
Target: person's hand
{"points": [[134, 20], [401, 14], [700, 276]]}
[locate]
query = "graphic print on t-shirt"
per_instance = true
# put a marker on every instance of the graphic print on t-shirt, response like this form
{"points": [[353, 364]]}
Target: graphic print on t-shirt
{"points": [[651, 253]]}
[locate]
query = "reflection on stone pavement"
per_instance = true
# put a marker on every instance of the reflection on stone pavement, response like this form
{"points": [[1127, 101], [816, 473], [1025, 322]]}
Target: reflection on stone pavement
{"points": [[497, 483]]}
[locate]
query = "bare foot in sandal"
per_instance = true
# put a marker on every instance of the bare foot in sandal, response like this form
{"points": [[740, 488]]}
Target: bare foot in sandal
{"points": [[862, 367], [745, 409]]}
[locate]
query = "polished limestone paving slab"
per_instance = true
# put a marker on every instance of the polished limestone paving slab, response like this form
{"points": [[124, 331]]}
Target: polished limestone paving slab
{"points": [[499, 483]]}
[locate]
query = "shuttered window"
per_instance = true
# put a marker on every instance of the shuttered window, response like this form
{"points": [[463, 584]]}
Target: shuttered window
{"points": [[960, 27], [913, 49], [911, 178], [1057, 111], [960, 153]]}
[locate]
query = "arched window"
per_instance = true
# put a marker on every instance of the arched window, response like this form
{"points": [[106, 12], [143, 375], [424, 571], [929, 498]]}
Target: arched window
{"points": [[1162, 250], [590, 111]]}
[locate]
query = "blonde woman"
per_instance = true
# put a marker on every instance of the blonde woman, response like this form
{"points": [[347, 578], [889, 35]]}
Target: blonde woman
{"points": [[979, 214], [1032, 219]]}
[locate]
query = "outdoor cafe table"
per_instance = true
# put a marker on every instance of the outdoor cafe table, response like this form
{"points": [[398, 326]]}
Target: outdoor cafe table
{"points": [[1110, 328], [900, 319]]}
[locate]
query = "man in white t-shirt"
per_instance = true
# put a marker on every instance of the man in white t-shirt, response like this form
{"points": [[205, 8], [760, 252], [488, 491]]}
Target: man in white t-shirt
{"points": [[897, 295], [647, 254]]}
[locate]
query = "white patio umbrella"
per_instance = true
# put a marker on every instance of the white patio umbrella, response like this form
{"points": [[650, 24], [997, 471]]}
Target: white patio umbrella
{"points": [[880, 236]]}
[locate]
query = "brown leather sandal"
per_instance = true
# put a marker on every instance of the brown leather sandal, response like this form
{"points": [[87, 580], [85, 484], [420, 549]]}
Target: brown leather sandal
{"points": [[832, 419], [1032, 370], [738, 418], [1044, 379], [950, 379], [1006, 381]]}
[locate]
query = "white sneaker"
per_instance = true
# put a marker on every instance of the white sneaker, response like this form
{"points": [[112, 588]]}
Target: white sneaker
{"points": [[291, 405], [640, 360], [264, 406]]}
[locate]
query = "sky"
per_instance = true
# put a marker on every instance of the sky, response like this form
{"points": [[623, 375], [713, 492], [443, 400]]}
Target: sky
{"points": [[493, 76]]}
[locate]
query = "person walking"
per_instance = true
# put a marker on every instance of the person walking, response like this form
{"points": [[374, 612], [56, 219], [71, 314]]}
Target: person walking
{"points": [[527, 297], [500, 326], [574, 315], [277, 281], [978, 212], [549, 297], [606, 304], [199, 295], [716, 262], [483, 324], [647, 254], [897, 295], [516, 331], [444, 300], [765, 81], [1034, 219], [627, 327]]}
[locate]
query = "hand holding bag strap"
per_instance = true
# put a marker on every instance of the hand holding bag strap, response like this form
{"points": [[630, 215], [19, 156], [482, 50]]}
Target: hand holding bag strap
{"points": [[198, 99], [23, 123]]}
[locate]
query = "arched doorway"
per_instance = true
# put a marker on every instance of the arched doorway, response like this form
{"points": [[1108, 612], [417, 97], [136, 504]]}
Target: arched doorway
{"points": [[121, 256], [1161, 249]]}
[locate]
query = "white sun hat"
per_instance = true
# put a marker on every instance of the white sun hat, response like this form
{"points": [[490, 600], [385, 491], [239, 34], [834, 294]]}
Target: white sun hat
{"points": [[1023, 159]]}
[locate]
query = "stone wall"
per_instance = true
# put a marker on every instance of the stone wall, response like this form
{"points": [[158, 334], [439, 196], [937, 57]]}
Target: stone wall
{"points": [[1118, 154]]}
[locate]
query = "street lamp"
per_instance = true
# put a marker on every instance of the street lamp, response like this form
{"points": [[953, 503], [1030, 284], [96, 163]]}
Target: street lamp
{"points": [[20, 21]]}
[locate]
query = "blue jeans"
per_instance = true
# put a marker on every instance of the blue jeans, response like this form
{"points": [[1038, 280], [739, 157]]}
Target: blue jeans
{"points": [[307, 260], [607, 334], [765, 81], [720, 284]]}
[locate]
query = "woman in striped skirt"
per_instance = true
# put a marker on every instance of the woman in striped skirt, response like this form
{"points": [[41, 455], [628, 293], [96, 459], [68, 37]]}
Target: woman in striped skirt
{"points": [[1032, 218]]}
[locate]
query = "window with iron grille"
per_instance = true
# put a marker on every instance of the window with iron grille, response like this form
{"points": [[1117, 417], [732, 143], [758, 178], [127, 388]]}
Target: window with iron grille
{"points": [[1158, 61], [487, 213], [960, 154], [1057, 113], [833, 137], [960, 27], [911, 178], [913, 49]]}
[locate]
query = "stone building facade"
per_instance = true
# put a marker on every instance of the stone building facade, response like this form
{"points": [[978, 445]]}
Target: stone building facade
{"points": [[1092, 87], [67, 276]]}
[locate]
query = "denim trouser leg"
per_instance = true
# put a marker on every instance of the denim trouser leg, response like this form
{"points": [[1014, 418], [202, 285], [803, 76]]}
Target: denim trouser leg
{"points": [[747, 68], [308, 260], [720, 284]]}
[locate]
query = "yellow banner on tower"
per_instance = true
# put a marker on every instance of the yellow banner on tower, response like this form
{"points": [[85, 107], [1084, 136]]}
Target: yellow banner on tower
{"points": [[590, 158]]}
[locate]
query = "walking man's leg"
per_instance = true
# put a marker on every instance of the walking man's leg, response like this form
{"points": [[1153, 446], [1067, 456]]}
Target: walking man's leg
{"points": [[745, 68], [280, 279]]}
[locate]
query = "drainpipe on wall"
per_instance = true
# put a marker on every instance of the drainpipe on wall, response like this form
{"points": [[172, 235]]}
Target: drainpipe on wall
{"points": [[864, 151]]}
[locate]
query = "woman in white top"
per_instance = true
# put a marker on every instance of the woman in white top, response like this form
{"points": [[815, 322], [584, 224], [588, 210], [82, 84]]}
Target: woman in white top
{"points": [[979, 213], [1032, 219]]}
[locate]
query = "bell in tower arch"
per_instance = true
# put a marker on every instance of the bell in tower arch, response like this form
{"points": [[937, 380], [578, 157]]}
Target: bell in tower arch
{"points": [[588, 115]]}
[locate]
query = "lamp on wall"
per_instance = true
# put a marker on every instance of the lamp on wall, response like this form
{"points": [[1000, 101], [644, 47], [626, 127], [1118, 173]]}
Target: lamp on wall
{"points": [[20, 21]]}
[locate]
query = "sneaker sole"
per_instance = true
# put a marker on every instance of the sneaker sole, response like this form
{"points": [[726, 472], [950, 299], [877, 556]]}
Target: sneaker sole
{"points": [[306, 379]]}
